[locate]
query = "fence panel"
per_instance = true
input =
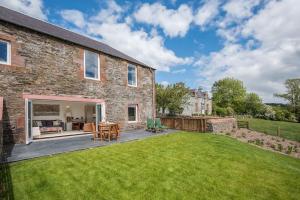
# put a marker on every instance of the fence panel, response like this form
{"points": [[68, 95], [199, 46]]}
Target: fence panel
{"points": [[243, 124], [187, 124]]}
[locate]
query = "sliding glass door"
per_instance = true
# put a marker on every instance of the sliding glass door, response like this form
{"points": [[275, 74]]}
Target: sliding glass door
{"points": [[98, 115], [28, 120]]}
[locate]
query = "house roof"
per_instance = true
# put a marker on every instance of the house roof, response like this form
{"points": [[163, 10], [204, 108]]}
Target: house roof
{"points": [[198, 93], [22, 20]]}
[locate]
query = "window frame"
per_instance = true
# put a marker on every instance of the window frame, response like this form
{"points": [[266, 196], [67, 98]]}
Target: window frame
{"points": [[84, 66], [136, 113], [8, 53], [136, 80]]}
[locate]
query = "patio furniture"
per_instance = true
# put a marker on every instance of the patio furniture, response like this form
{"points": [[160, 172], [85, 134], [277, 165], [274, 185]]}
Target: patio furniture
{"points": [[158, 125], [96, 134], [114, 131], [88, 127], [105, 130], [150, 125], [118, 130], [109, 130]]}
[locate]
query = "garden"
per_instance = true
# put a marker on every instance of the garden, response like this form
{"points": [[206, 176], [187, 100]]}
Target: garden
{"points": [[180, 165]]}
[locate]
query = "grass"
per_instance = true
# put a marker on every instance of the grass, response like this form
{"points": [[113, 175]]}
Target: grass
{"points": [[175, 166], [288, 130]]}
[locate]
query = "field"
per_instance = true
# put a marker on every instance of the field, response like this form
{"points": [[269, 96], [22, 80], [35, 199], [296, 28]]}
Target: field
{"points": [[288, 130], [174, 166]]}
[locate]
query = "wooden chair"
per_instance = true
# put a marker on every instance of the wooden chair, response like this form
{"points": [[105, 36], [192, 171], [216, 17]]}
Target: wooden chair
{"points": [[115, 132], [96, 135], [118, 130], [105, 131], [88, 127]]}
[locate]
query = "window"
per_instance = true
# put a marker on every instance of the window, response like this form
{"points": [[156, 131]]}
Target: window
{"points": [[45, 110], [4, 52], [91, 65], [132, 75], [132, 113]]}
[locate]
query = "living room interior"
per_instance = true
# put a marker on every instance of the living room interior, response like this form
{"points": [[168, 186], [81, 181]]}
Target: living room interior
{"points": [[61, 118]]}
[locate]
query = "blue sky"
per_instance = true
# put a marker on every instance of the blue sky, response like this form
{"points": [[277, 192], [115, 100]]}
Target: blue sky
{"points": [[196, 42]]}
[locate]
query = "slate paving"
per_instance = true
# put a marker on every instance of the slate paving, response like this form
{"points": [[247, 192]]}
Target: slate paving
{"points": [[48, 147]]}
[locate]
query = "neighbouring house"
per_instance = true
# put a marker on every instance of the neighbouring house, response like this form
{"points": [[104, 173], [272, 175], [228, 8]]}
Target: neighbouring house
{"points": [[56, 82], [199, 103]]}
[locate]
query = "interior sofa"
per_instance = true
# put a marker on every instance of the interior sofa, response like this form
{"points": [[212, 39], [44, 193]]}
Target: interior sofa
{"points": [[49, 125]]}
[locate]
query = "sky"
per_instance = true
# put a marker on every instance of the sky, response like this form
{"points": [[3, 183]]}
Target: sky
{"points": [[195, 42]]}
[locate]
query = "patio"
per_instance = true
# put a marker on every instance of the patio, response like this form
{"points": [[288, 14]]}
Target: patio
{"points": [[50, 147]]}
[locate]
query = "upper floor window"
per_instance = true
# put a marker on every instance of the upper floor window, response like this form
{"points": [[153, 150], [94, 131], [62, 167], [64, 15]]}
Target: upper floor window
{"points": [[91, 65], [132, 74], [4, 52]]}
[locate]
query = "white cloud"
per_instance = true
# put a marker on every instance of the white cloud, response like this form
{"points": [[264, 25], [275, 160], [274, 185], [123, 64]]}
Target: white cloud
{"points": [[240, 9], [138, 44], [110, 14], [207, 13], [179, 71], [146, 47], [33, 8], [165, 83], [74, 16], [173, 22], [265, 68], [277, 22], [237, 12]]}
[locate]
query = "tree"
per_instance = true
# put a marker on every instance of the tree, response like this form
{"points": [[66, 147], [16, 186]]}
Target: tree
{"points": [[253, 104], [162, 97], [172, 97], [179, 96], [292, 96], [229, 92]]}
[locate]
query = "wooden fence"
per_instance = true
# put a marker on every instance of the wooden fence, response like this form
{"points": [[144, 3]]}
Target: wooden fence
{"points": [[243, 124], [187, 124]]}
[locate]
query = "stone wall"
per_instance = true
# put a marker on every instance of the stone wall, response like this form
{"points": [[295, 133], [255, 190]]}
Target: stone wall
{"points": [[221, 125], [1, 128], [45, 65]]}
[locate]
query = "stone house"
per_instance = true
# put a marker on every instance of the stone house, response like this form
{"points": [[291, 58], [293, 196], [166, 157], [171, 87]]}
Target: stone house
{"points": [[199, 103], [54, 81]]}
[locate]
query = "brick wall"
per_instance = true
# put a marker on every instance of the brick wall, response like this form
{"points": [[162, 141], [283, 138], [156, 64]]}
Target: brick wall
{"points": [[45, 65]]}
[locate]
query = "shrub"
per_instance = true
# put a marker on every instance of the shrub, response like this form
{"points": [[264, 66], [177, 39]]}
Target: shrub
{"points": [[266, 113], [221, 111], [279, 147], [229, 111], [259, 142], [289, 149], [279, 115]]}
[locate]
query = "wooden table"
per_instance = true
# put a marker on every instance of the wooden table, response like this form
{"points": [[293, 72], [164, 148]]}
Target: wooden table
{"points": [[112, 127]]}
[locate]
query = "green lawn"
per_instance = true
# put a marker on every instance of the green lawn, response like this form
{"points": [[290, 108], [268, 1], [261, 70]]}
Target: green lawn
{"points": [[175, 166], [288, 130]]}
